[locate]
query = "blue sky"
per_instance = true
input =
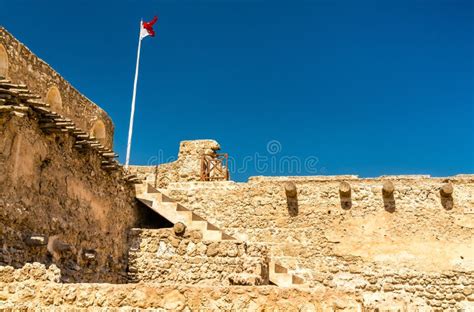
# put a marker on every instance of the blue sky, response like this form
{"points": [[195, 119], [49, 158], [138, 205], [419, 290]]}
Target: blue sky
{"points": [[354, 87]]}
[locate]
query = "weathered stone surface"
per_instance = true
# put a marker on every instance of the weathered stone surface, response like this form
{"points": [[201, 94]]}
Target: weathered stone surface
{"points": [[365, 250], [48, 187], [39, 294], [189, 261], [174, 300]]}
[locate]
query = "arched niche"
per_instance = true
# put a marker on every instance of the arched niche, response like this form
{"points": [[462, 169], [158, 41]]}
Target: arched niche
{"points": [[53, 98], [3, 62], [98, 132]]}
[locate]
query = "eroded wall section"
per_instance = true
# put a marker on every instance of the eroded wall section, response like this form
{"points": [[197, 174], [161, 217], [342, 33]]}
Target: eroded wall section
{"points": [[57, 206]]}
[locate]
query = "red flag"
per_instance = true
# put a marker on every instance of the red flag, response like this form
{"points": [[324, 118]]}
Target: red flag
{"points": [[147, 28]]}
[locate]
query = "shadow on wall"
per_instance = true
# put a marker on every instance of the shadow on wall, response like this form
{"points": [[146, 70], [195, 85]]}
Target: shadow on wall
{"points": [[389, 202], [291, 199], [292, 204], [3, 62]]}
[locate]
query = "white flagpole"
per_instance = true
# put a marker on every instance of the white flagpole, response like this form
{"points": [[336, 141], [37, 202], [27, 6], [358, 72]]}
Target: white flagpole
{"points": [[132, 113]]}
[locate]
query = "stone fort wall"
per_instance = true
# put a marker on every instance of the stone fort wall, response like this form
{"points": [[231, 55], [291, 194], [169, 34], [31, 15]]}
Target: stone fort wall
{"points": [[58, 206], [58, 202], [411, 250], [415, 242], [34, 287], [160, 256], [20, 65]]}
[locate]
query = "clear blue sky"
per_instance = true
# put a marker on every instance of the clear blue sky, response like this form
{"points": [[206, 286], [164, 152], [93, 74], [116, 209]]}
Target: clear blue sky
{"points": [[367, 87]]}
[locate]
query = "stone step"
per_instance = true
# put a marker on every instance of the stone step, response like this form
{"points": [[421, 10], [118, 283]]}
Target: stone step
{"points": [[198, 225], [185, 217], [5, 96], [280, 276], [7, 84], [36, 103], [110, 154], [26, 96], [212, 235], [152, 196], [175, 212], [50, 121], [8, 91], [42, 109], [20, 90], [55, 130], [6, 108]]}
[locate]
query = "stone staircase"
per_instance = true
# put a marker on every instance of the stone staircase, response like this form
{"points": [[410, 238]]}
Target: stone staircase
{"points": [[279, 275], [18, 100], [175, 212]]}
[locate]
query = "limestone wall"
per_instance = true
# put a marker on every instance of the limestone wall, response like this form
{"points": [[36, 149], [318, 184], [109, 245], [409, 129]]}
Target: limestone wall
{"points": [[18, 291], [58, 206], [163, 257], [30, 272], [20, 65], [416, 241], [186, 168]]}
